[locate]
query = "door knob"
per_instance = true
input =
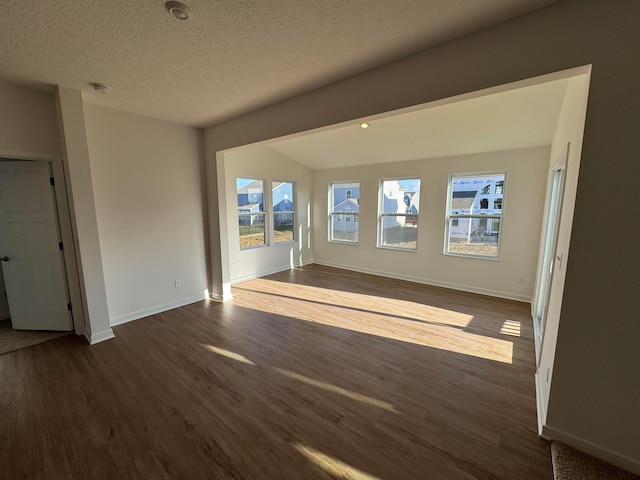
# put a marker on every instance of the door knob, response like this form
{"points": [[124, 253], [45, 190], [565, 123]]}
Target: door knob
{"points": [[4, 259]]}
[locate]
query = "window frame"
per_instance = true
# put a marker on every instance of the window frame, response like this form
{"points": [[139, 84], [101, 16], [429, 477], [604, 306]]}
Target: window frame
{"points": [[293, 213], [499, 217], [263, 213], [382, 215], [331, 213]]}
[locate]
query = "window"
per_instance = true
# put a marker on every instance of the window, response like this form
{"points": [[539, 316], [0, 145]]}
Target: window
{"points": [[250, 194], [283, 211], [474, 215], [344, 208], [398, 213]]}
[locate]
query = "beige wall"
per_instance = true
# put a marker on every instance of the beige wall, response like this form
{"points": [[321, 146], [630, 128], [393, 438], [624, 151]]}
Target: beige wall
{"points": [[526, 175], [147, 180], [28, 122], [264, 163], [596, 378]]}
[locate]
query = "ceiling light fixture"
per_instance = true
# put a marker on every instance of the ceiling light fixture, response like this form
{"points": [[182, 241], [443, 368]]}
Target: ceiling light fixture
{"points": [[364, 125], [101, 88], [178, 10]]}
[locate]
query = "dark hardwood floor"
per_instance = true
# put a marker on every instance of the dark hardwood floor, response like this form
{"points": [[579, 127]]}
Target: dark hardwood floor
{"points": [[314, 373]]}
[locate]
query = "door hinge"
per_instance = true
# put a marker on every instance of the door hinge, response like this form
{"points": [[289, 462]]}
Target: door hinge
{"points": [[52, 181], [60, 246], [69, 306]]}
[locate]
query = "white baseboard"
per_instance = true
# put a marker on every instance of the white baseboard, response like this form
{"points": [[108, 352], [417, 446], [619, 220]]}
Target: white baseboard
{"points": [[94, 338], [221, 297], [592, 449], [128, 317], [426, 281]]}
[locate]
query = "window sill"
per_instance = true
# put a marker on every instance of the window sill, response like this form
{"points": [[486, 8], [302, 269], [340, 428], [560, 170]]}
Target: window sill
{"points": [[286, 242], [343, 242], [478, 257], [398, 249], [253, 247]]}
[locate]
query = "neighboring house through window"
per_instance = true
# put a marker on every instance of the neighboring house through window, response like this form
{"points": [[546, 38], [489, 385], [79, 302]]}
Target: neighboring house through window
{"points": [[474, 214], [251, 219], [283, 212], [344, 208], [398, 213]]}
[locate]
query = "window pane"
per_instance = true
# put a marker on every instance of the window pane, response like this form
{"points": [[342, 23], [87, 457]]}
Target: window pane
{"points": [[397, 233], [283, 211], [399, 207], [474, 236], [250, 212], [400, 196], [345, 208], [480, 196]]}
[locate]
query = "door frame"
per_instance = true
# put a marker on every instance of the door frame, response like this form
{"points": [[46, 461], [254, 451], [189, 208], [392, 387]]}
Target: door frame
{"points": [[549, 246], [66, 232]]}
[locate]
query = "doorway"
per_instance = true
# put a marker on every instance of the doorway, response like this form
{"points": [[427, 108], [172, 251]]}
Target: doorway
{"points": [[31, 250]]}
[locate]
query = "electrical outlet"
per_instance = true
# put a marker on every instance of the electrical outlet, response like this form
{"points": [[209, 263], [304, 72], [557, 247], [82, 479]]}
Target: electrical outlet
{"points": [[177, 283]]}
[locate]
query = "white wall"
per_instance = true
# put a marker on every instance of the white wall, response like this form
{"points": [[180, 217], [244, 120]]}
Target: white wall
{"points": [[596, 378], [28, 122], [147, 180], [262, 162], [569, 129], [526, 175]]}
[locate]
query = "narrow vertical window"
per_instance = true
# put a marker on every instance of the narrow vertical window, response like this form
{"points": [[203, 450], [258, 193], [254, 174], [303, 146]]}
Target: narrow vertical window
{"points": [[398, 213], [474, 214], [344, 208], [283, 211], [251, 219]]}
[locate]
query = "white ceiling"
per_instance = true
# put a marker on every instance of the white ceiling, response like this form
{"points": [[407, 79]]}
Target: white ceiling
{"points": [[230, 57], [518, 118]]}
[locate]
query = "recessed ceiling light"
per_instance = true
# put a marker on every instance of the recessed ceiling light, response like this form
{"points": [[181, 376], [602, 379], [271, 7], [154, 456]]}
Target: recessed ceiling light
{"points": [[364, 125], [178, 10], [101, 88]]}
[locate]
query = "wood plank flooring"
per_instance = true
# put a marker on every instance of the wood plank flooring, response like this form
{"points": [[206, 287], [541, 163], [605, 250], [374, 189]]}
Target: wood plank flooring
{"points": [[314, 373]]}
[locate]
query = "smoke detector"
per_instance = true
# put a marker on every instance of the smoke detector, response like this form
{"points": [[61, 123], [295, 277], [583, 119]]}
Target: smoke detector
{"points": [[178, 10], [101, 88]]}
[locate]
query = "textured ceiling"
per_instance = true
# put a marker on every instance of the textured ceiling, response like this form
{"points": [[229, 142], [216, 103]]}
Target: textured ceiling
{"points": [[230, 57], [519, 118]]}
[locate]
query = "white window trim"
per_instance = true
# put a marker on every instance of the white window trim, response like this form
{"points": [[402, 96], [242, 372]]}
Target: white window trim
{"points": [[381, 215], [331, 213], [265, 202], [448, 215], [294, 192]]}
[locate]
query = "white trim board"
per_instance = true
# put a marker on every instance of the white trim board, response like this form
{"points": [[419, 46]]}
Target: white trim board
{"points": [[129, 317], [433, 283], [99, 337]]}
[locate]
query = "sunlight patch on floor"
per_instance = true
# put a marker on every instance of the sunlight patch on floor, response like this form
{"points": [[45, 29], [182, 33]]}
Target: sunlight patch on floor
{"points": [[359, 313], [333, 466], [228, 354], [339, 390], [379, 304], [510, 327]]}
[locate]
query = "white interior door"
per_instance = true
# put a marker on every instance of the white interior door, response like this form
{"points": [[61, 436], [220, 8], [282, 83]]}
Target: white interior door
{"points": [[32, 261]]}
